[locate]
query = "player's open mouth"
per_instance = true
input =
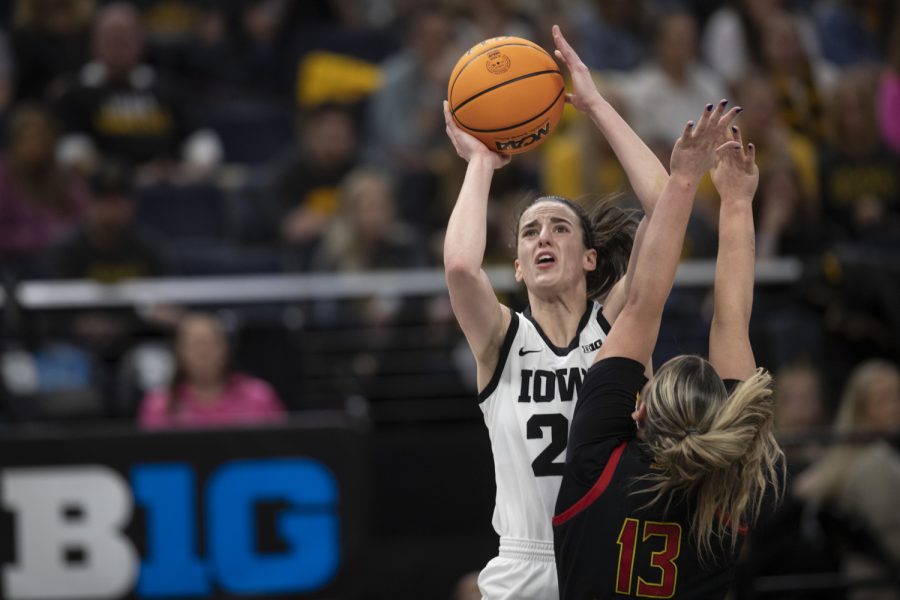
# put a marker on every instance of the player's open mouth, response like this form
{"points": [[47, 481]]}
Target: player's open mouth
{"points": [[545, 260]]}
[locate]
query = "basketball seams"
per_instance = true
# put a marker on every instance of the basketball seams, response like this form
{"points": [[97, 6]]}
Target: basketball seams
{"points": [[534, 47], [500, 85], [537, 116]]}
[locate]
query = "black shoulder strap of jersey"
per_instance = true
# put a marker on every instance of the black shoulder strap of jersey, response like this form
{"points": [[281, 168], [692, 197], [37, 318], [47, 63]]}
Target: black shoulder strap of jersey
{"points": [[501, 357]]}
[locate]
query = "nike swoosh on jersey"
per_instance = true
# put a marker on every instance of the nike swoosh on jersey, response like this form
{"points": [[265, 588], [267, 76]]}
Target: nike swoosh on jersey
{"points": [[523, 351]]}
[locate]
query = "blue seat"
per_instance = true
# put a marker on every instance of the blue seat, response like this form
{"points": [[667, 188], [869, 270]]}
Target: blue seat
{"points": [[171, 212], [251, 134]]}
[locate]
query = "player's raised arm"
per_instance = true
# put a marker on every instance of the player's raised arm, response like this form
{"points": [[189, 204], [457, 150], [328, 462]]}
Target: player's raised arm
{"points": [[481, 317], [646, 174], [735, 177], [635, 331]]}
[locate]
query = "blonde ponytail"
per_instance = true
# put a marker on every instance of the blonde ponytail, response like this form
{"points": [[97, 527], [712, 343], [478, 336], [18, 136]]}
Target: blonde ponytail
{"points": [[716, 449]]}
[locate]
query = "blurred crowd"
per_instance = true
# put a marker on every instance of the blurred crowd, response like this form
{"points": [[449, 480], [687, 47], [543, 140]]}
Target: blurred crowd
{"points": [[200, 137], [209, 137]]}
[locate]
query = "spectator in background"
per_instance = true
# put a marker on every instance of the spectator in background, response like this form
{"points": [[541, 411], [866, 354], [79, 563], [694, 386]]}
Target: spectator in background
{"points": [[366, 234], [761, 121], [7, 73], [788, 217], [786, 544], [802, 81], [889, 92], [860, 177], [853, 31], [39, 204], [205, 389], [305, 181], [609, 31], [51, 41], [733, 37], [800, 408], [863, 480], [107, 248], [576, 161], [404, 124], [664, 94], [484, 19], [125, 108]]}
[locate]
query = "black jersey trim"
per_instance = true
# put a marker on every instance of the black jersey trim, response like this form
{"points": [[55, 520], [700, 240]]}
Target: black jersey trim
{"points": [[501, 358], [575, 340], [596, 490], [601, 320]]}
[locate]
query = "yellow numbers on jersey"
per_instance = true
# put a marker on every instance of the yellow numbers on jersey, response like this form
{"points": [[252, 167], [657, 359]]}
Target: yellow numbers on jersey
{"points": [[664, 559]]}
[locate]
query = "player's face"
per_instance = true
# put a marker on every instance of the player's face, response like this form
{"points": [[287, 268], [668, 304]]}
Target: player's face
{"points": [[550, 248]]}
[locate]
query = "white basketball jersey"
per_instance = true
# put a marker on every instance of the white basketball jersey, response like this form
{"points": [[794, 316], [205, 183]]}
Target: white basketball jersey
{"points": [[528, 406]]}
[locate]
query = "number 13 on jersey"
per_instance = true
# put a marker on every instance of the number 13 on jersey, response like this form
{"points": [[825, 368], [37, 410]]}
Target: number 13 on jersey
{"points": [[662, 556]]}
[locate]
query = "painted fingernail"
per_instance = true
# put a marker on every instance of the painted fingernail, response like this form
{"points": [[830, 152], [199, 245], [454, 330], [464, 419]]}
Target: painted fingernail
{"points": [[709, 107], [723, 101], [739, 109], [750, 146], [690, 123], [734, 129]]}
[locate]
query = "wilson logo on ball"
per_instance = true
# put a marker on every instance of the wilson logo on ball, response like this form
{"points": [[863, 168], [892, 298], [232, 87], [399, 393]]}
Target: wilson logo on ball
{"points": [[525, 140], [497, 63]]}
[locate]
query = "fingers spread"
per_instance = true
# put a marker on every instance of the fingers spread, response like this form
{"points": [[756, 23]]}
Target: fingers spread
{"points": [[718, 110], [728, 117]]}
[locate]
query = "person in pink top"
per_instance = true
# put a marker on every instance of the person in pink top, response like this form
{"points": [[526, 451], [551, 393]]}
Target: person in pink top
{"points": [[205, 390]]}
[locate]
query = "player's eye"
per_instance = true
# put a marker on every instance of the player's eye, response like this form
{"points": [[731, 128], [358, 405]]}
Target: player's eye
{"points": [[529, 232], [561, 229]]}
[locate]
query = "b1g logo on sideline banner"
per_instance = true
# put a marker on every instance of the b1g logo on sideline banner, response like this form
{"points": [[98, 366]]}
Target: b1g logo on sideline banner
{"points": [[253, 527]]}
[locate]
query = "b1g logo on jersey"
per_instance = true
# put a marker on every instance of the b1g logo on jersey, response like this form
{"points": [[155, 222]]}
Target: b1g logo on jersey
{"points": [[595, 345], [72, 526], [539, 385], [524, 140]]}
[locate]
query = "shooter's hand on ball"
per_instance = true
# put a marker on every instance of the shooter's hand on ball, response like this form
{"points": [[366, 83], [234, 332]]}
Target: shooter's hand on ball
{"points": [[467, 146]]}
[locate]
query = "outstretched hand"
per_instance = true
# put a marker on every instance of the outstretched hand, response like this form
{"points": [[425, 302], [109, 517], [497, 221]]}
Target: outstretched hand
{"points": [[696, 150], [735, 174], [468, 146], [585, 90]]}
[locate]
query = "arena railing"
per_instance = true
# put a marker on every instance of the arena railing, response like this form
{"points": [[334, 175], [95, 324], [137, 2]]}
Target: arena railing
{"points": [[240, 289]]}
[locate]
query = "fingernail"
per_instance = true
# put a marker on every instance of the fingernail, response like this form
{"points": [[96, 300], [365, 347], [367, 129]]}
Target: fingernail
{"points": [[724, 101], [709, 107], [734, 129], [690, 123], [739, 109], [750, 146]]}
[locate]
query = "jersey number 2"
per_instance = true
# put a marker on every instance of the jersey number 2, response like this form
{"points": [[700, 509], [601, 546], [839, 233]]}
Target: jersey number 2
{"points": [[663, 559], [543, 464]]}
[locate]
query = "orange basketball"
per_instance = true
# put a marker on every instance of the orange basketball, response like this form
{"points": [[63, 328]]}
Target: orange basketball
{"points": [[508, 92]]}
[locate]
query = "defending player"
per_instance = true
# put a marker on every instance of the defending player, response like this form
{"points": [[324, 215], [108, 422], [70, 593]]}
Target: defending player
{"points": [[662, 515]]}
